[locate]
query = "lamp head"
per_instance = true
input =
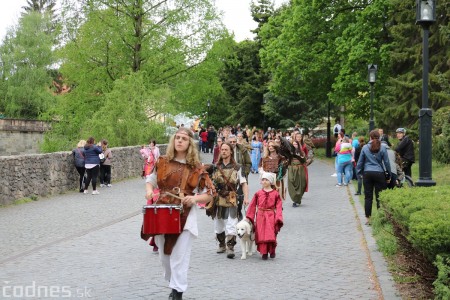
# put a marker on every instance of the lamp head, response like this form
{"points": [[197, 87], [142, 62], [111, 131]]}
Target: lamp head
{"points": [[426, 12], [372, 70]]}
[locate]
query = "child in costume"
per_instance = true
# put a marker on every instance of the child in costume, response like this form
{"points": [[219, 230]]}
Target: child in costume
{"points": [[266, 213]]}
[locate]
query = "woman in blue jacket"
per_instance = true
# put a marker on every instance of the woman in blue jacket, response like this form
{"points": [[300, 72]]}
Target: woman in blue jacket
{"points": [[370, 165], [92, 164]]}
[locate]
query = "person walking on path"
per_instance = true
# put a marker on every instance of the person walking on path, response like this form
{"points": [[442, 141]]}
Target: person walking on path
{"points": [[345, 160], [265, 212], [275, 163], [298, 172], [204, 138], [180, 169], [230, 184], [361, 143], [371, 164], [257, 148], [105, 167], [212, 136], [92, 164], [78, 156], [216, 153]]}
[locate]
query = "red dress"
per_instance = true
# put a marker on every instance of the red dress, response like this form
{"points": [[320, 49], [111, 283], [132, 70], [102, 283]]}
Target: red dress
{"points": [[266, 213]]}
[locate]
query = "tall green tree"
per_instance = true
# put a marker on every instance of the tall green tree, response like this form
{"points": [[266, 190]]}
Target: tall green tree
{"points": [[41, 6], [27, 59], [244, 82], [365, 40], [404, 64], [109, 40], [298, 53]]}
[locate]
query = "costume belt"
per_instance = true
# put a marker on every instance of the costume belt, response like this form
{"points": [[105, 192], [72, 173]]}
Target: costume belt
{"points": [[266, 209]]}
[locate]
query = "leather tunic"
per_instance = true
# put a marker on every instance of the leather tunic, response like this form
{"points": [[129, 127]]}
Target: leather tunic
{"points": [[169, 176], [270, 164]]}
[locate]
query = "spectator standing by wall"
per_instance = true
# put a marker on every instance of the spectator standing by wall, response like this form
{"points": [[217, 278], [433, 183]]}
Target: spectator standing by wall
{"points": [[78, 156], [92, 164], [105, 167]]}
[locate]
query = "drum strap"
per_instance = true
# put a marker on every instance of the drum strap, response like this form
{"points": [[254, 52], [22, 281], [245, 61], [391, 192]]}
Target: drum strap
{"points": [[171, 239]]}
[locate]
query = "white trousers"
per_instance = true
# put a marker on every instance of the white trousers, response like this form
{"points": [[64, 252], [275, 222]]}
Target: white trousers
{"points": [[228, 225], [176, 265]]}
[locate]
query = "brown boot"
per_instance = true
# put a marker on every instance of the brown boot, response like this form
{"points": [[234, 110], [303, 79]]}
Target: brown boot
{"points": [[231, 241], [221, 239]]}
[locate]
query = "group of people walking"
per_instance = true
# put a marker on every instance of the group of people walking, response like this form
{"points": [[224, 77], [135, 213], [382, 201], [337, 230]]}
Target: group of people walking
{"points": [[223, 187], [92, 160], [374, 165]]}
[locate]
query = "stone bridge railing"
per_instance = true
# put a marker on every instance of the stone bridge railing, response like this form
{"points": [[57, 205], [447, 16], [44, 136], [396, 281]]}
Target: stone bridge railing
{"points": [[40, 175]]}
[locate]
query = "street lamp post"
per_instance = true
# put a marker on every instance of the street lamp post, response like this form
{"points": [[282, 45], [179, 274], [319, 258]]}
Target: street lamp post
{"points": [[328, 144], [372, 69], [207, 117], [426, 15]]}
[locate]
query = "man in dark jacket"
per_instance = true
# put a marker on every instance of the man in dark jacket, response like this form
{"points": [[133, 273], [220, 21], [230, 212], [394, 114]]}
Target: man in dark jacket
{"points": [[212, 135], [406, 150], [384, 137]]}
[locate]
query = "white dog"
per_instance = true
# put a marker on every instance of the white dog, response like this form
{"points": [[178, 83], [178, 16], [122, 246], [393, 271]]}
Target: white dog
{"points": [[245, 232]]}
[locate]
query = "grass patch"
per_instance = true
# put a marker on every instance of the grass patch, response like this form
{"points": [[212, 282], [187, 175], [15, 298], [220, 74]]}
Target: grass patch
{"points": [[25, 200], [22, 201]]}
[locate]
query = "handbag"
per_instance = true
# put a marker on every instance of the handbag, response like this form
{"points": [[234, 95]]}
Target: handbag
{"points": [[227, 198], [102, 157], [387, 175]]}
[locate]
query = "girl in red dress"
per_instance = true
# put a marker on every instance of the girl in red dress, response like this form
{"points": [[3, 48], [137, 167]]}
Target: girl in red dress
{"points": [[266, 213]]}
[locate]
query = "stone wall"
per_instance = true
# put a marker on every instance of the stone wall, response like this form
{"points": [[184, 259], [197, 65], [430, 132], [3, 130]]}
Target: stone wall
{"points": [[19, 137], [54, 173]]}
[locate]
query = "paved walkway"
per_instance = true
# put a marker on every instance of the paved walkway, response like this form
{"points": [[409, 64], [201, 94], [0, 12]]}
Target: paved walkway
{"points": [[88, 246]]}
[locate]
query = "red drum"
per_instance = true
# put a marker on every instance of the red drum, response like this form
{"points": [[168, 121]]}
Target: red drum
{"points": [[162, 219]]}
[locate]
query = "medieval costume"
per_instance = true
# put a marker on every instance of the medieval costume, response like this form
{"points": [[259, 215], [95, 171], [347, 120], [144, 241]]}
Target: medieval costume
{"points": [[266, 213], [176, 177], [228, 180], [242, 157], [257, 148], [298, 177], [276, 164]]}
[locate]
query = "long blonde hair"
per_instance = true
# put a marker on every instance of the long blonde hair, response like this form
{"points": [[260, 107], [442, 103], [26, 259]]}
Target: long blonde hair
{"points": [[81, 144], [266, 149], [192, 155]]}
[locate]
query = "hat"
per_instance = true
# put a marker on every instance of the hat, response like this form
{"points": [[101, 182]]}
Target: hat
{"points": [[269, 176], [402, 130]]}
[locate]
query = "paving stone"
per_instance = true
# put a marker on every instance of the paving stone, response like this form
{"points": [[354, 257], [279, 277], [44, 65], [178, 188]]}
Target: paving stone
{"points": [[90, 244]]}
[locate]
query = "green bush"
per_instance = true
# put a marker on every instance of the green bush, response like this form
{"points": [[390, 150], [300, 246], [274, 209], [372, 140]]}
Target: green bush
{"points": [[442, 283], [441, 151], [424, 215]]}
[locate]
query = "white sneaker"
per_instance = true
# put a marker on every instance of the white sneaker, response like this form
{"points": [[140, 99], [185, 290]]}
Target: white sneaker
{"points": [[86, 191], [334, 175], [95, 192], [109, 185], [338, 185], [102, 185]]}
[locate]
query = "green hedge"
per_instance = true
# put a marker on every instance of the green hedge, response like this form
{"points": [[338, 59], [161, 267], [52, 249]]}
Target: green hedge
{"points": [[424, 215]]}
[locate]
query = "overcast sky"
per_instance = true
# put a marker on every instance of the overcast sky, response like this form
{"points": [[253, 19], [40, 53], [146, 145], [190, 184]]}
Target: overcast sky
{"points": [[236, 16]]}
